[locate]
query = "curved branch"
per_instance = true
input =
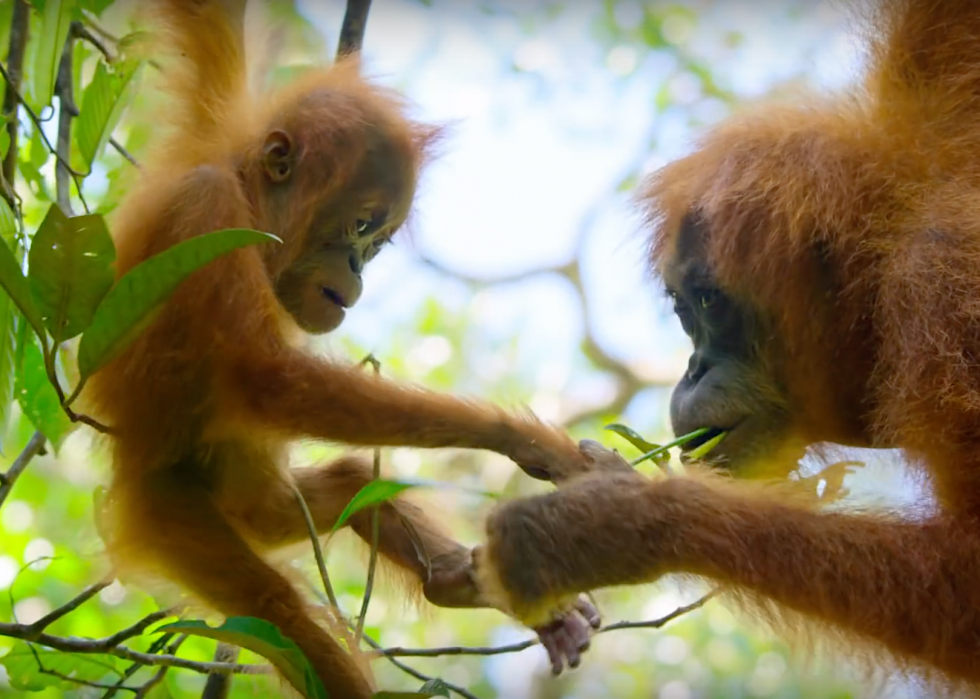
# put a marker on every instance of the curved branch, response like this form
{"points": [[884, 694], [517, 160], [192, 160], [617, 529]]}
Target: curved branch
{"points": [[352, 30]]}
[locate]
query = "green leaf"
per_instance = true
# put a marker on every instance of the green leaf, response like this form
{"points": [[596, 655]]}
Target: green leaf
{"points": [[25, 675], [262, 637], [4, 142], [55, 21], [374, 493], [70, 271], [701, 451], [663, 450], [103, 102], [14, 282], [436, 688], [8, 362], [8, 221], [406, 695], [96, 7], [37, 397], [632, 437], [129, 306]]}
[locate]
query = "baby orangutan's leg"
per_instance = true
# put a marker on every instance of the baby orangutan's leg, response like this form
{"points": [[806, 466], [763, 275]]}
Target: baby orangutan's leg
{"points": [[407, 537]]}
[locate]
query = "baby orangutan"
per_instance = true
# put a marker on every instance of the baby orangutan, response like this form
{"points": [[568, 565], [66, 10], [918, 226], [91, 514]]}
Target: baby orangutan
{"points": [[202, 405]]}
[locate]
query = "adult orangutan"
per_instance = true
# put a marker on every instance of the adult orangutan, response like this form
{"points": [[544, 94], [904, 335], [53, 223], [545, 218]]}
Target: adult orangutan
{"points": [[824, 258]]}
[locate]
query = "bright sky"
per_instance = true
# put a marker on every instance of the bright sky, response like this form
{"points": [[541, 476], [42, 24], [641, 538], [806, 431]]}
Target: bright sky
{"points": [[531, 153]]}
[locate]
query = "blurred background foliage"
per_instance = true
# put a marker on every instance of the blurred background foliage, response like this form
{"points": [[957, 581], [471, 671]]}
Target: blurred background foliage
{"points": [[522, 280]]}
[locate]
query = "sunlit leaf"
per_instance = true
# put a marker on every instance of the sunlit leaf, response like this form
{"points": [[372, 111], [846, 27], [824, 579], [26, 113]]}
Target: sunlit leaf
{"points": [[129, 306], [103, 102], [374, 493], [436, 688], [55, 21], [630, 435], [14, 282], [702, 450], [37, 397], [70, 271], [262, 637], [25, 675]]}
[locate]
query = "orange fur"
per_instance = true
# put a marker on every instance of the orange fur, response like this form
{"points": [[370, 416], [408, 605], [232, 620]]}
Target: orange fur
{"points": [[202, 404], [851, 223]]}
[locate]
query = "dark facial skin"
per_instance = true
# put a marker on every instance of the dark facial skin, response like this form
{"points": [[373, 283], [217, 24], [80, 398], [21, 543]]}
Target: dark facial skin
{"points": [[346, 233], [729, 385]]}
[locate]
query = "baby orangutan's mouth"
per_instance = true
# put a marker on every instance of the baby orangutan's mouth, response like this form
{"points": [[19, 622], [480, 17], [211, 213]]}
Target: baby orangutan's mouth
{"points": [[333, 296]]}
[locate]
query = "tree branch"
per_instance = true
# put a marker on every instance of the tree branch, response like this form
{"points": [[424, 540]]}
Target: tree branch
{"points": [[67, 110], [352, 30], [19, 33], [36, 120], [398, 652], [35, 446]]}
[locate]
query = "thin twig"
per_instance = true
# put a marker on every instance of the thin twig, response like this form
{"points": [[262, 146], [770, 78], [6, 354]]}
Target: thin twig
{"points": [[19, 33], [35, 445], [157, 678], [155, 647], [352, 30], [45, 621], [80, 31], [111, 645], [75, 175], [121, 149], [419, 675], [524, 645], [152, 682], [375, 528], [317, 549]]}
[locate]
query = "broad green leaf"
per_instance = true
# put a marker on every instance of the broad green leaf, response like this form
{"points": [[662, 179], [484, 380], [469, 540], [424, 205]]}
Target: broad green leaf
{"points": [[70, 271], [37, 397], [701, 451], [129, 306], [4, 142], [262, 637], [374, 493], [103, 102], [14, 282], [632, 437], [24, 674], [55, 21]]}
